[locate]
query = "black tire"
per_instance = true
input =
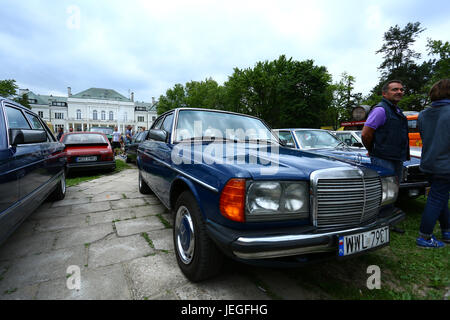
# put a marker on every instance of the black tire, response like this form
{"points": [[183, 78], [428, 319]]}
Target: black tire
{"points": [[197, 255], [60, 192], [143, 186]]}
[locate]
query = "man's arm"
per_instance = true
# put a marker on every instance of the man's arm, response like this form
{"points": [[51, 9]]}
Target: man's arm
{"points": [[367, 136]]}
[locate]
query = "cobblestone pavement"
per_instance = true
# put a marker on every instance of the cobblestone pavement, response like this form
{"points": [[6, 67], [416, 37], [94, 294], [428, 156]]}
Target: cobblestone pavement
{"points": [[121, 244]]}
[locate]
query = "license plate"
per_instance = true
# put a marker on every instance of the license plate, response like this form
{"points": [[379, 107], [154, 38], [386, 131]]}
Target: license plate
{"points": [[358, 242], [85, 159]]}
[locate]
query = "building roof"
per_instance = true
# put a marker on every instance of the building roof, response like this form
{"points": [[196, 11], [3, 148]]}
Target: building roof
{"points": [[45, 99], [102, 94]]}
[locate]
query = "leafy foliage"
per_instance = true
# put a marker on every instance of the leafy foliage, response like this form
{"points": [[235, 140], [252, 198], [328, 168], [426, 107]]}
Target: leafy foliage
{"points": [[8, 88]]}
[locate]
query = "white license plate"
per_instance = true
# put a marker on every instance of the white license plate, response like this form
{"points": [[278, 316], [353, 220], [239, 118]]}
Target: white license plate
{"points": [[85, 159], [354, 243]]}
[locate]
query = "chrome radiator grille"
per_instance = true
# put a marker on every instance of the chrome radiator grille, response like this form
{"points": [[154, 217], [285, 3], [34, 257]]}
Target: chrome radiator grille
{"points": [[346, 201]]}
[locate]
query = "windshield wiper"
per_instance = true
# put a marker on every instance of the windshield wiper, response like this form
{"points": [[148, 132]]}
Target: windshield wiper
{"points": [[267, 141], [344, 145]]}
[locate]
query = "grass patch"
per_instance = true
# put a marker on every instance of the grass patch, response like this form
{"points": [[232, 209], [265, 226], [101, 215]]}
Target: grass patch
{"points": [[166, 223], [407, 272], [75, 178]]}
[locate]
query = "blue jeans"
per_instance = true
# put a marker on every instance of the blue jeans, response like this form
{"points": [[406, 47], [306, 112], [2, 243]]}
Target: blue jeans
{"points": [[396, 166], [436, 208]]}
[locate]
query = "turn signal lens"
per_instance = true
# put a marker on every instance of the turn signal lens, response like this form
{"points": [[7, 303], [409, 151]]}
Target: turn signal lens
{"points": [[232, 200]]}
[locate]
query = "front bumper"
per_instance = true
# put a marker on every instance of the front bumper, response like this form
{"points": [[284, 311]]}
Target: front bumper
{"points": [[255, 245]]}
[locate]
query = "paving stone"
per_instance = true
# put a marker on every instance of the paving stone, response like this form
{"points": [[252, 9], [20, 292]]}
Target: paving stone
{"points": [[151, 210], [224, 287], [146, 283], [69, 202], [137, 226], [18, 247], [80, 236], [107, 252], [106, 196], [24, 293], [127, 203], [91, 207], [42, 213], [162, 239], [58, 223], [106, 283], [43, 267], [110, 216]]}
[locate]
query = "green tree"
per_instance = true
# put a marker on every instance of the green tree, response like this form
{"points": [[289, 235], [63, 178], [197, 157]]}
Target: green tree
{"points": [[204, 94], [344, 99], [441, 67], [283, 92], [174, 98], [8, 88]]}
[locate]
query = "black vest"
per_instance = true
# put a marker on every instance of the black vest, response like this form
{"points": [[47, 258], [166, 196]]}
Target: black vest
{"points": [[391, 140]]}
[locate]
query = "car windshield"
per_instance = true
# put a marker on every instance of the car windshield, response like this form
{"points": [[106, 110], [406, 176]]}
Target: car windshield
{"points": [[88, 138], [102, 130], [199, 124], [315, 139]]}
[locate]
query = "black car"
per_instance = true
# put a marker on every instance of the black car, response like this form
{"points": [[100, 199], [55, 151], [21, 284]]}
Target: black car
{"points": [[131, 148], [32, 165]]}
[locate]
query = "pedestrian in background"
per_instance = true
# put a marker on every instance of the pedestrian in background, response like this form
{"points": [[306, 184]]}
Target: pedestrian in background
{"points": [[60, 133], [434, 128], [116, 139], [385, 132]]}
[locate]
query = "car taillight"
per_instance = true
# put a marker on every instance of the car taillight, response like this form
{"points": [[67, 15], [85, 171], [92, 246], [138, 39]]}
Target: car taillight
{"points": [[232, 200]]}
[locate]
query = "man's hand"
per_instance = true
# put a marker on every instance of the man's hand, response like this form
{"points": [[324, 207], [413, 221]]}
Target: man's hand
{"points": [[367, 136]]}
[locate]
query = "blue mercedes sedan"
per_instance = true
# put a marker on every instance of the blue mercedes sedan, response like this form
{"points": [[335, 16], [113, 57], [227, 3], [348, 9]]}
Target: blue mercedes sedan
{"points": [[32, 164], [235, 191]]}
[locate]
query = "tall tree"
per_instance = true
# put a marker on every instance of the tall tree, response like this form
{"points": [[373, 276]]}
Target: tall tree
{"points": [[344, 99], [8, 88], [174, 98]]}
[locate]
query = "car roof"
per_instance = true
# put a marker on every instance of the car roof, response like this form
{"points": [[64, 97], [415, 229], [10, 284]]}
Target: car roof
{"points": [[16, 104]]}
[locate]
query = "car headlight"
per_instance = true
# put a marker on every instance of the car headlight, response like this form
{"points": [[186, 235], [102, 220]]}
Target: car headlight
{"points": [[390, 190], [268, 200]]}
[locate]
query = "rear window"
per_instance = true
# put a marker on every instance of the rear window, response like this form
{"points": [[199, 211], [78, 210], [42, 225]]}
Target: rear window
{"points": [[85, 139], [102, 130]]}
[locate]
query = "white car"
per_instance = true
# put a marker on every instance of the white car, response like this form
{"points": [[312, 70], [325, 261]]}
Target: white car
{"points": [[351, 138]]}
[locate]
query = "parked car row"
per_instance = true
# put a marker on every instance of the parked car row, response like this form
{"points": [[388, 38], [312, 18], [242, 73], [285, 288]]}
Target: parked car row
{"points": [[236, 188]]}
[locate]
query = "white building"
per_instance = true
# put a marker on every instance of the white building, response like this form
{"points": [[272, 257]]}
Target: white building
{"points": [[94, 107]]}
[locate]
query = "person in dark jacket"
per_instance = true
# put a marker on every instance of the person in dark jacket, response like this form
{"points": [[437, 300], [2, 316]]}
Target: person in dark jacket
{"points": [[385, 132], [60, 134], [434, 128]]}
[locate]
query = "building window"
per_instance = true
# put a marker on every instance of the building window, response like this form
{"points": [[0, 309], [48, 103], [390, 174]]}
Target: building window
{"points": [[125, 117], [59, 115], [153, 118], [41, 114], [141, 119], [58, 126], [94, 115], [78, 114], [111, 115], [103, 115]]}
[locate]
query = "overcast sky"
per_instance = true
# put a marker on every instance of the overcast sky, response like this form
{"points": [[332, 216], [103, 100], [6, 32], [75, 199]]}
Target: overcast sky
{"points": [[149, 46]]}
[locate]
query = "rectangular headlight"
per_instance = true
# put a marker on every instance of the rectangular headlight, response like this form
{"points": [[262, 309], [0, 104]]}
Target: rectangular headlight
{"points": [[390, 190], [271, 200]]}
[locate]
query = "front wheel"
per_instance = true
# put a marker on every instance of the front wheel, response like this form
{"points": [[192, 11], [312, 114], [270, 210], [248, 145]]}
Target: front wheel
{"points": [[197, 255]]}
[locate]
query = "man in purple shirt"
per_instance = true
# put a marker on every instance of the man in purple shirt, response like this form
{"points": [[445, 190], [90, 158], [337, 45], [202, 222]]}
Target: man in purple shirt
{"points": [[385, 132]]}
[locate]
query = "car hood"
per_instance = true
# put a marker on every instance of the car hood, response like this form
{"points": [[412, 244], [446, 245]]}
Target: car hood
{"points": [[258, 162], [357, 155]]}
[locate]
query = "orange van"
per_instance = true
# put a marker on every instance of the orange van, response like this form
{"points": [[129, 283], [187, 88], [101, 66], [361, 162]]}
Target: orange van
{"points": [[414, 136]]}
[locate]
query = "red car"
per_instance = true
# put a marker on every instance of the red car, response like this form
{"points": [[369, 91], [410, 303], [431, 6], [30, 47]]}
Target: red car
{"points": [[88, 151]]}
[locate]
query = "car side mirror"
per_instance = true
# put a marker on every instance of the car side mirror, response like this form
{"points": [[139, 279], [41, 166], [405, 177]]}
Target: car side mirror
{"points": [[158, 135], [357, 144], [26, 136]]}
